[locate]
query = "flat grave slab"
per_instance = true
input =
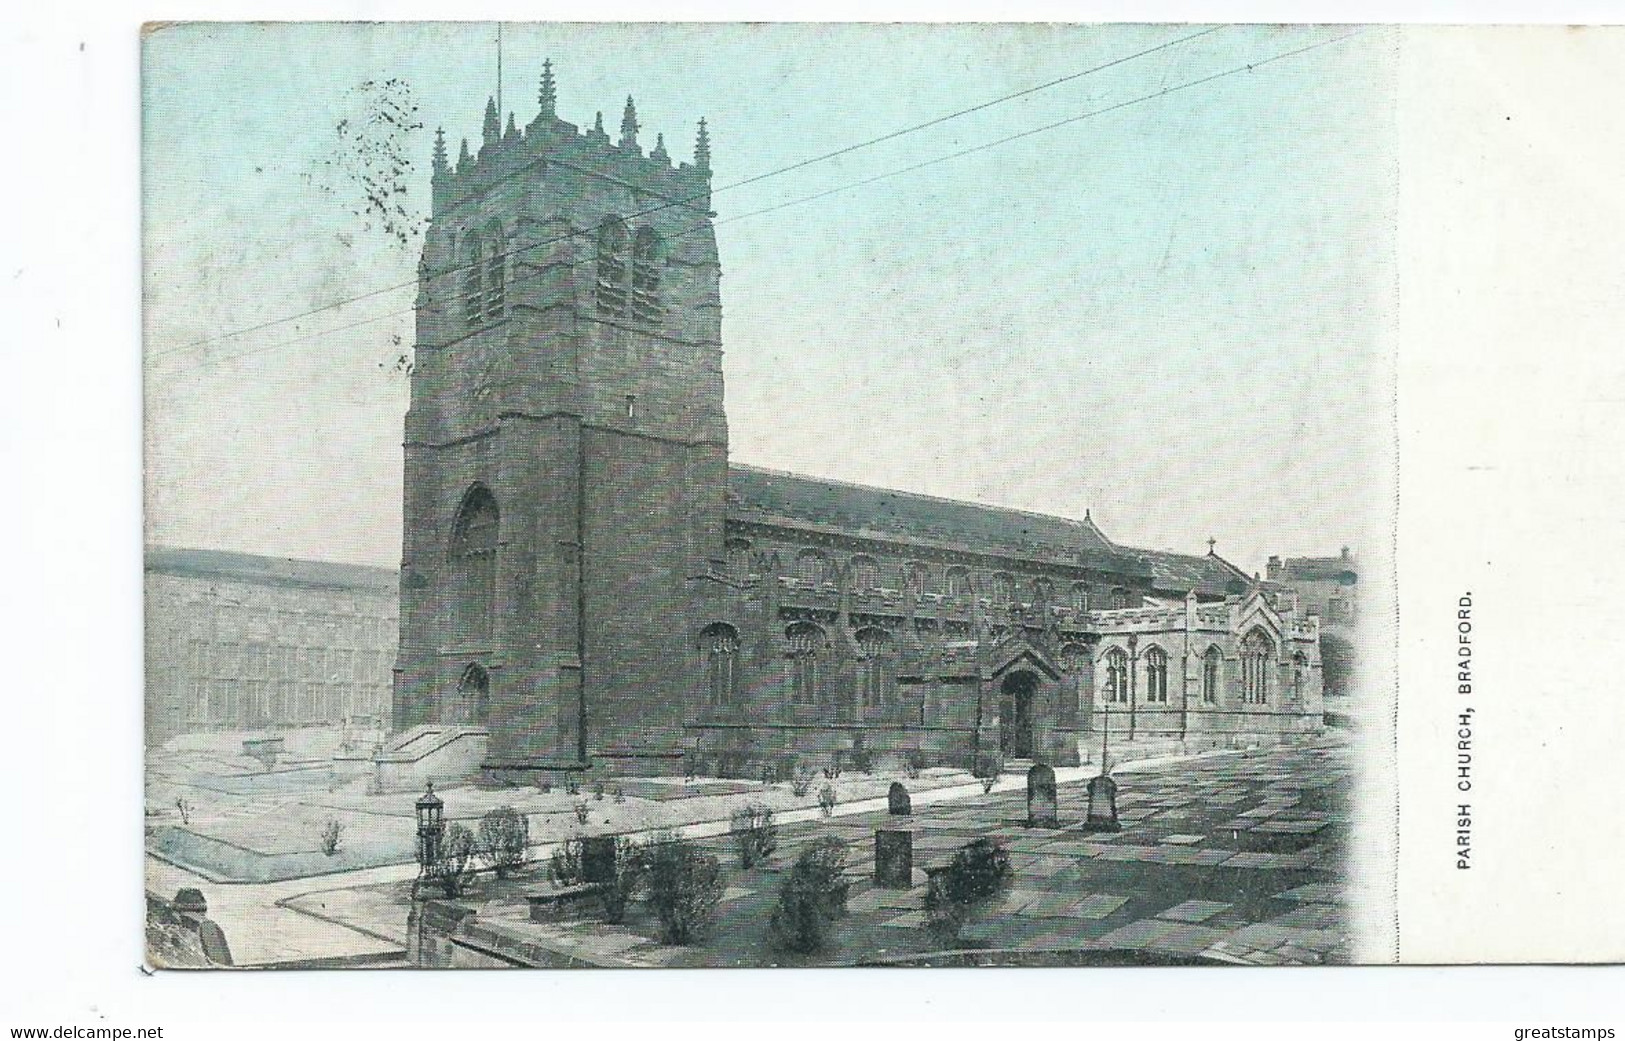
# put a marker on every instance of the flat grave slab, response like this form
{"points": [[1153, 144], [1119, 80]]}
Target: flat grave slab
{"points": [[1194, 910]]}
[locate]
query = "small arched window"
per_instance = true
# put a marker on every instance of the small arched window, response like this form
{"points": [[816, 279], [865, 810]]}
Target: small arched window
{"points": [[865, 574], [1043, 591], [917, 577], [474, 693], [1119, 599], [1004, 589], [1080, 597], [473, 280], [1257, 657], [1300, 671], [806, 642], [720, 645], [958, 581], [874, 680], [646, 275], [1116, 687], [811, 568], [1210, 676], [612, 267], [1156, 675]]}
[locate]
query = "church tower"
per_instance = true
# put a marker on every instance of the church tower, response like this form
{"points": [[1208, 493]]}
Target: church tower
{"points": [[566, 446]]}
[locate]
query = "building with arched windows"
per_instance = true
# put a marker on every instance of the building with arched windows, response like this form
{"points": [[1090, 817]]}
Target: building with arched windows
{"points": [[589, 579]]}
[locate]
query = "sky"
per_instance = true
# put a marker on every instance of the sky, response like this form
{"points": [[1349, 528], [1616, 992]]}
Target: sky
{"points": [[1177, 314]]}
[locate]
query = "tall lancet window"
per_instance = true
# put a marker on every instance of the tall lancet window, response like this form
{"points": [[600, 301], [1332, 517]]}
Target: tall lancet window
{"points": [[646, 276], [612, 290], [473, 279], [1257, 657], [874, 648], [474, 566], [720, 643], [1210, 676], [806, 642], [1116, 685], [1156, 675]]}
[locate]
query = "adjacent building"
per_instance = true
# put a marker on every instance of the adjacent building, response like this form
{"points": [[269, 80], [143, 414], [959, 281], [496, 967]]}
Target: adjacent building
{"points": [[589, 578], [1326, 587], [235, 641]]}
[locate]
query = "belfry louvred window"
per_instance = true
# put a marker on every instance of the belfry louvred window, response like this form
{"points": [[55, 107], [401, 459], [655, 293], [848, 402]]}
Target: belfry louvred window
{"points": [[645, 298], [496, 275], [612, 268], [474, 280]]}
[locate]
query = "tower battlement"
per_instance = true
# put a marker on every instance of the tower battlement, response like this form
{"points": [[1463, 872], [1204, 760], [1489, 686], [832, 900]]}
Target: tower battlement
{"points": [[506, 150]]}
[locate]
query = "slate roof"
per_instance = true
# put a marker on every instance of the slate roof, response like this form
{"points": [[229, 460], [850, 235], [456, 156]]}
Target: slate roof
{"points": [[217, 565], [773, 496]]}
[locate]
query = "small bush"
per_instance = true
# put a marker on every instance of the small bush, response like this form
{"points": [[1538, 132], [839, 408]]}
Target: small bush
{"points": [[564, 867], [332, 831], [583, 810], [598, 790], [978, 871], [572, 784], [452, 868], [833, 770], [616, 894], [827, 799], [801, 781], [754, 834], [913, 764], [504, 835], [545, 787], [863, 761], [685, 887], [811, 898], [620, 794]]}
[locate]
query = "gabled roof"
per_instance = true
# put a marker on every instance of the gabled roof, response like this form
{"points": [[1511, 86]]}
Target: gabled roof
{"points": [[286, 572], [773, 496]]}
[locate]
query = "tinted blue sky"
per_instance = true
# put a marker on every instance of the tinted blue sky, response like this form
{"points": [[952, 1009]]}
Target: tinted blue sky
{"points": [[1175, 314]]}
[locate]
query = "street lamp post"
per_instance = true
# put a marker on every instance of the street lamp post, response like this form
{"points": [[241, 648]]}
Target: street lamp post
{"points": [[431, 833]]}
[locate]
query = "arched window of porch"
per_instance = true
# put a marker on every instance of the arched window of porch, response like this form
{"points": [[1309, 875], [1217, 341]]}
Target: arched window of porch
{"points": [[1156, 675], [474, 693]]}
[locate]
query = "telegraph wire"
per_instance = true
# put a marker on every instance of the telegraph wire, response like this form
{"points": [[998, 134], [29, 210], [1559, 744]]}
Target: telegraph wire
{"points": [[692, 229], [798, 165]]}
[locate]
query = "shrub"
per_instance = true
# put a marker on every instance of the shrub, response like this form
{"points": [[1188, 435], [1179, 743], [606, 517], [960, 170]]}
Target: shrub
{"points": [[598, 790], [811, 898], [913, 764], [620, 794], [685, 887], [754, 834], [572, 784], [616, 893], [827, 799], [564, 867], [504, 835], [863, 760], [545, 786], [332, 831], [978, 870], [833, 770], [583, 810], [452, 869], [801, 781]]}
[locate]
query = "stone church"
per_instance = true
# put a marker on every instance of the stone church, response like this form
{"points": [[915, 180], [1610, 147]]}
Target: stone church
{"points": [[589, 578]]}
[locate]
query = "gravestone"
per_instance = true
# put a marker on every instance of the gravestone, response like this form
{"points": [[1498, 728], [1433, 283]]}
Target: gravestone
{"points": [[598, 858], [894, 858], [1102, 805], [190, 901], [1041, 797], [897, 800]]}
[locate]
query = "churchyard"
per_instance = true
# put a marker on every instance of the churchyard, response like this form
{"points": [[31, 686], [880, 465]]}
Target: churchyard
{"points": [[1222, 858]]}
